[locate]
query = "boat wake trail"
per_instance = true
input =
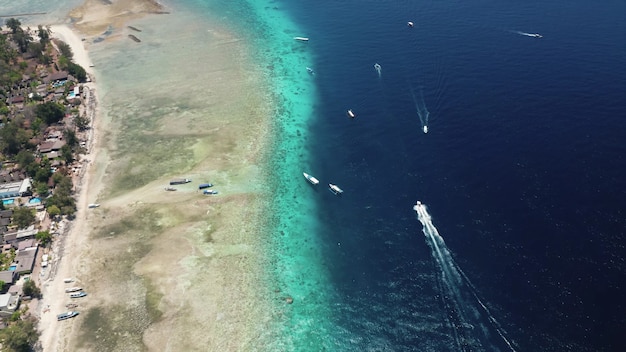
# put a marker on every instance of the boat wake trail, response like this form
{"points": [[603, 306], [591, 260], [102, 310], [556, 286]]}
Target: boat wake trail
{"points": [[422, 111], [378, 69], [473, 326], [534, 35]]}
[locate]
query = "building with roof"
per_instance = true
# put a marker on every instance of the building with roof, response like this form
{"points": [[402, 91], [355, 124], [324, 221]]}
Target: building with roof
{"points": [[8, 304], [25, 260], [14, 189]]}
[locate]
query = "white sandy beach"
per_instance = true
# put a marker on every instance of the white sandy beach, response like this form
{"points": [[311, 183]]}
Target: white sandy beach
{"points": [[73, 39], [73, 236]]}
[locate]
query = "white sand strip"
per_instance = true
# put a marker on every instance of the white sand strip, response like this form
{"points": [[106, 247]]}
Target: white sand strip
{"points": [[71, 38]]}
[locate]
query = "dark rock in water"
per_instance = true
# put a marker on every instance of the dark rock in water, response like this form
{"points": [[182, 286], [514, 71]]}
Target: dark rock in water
{"points": [[134, 29], [134, 38], [289, 300]]}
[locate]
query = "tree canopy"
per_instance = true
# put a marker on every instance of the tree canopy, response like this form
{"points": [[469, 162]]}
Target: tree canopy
{"points": [[50, 112], [20, 336], [23, 217]]}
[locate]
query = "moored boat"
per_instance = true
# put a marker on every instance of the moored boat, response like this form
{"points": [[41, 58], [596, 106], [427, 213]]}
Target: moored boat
{"points": [[335, 189], [179, 181], [67, 315], [209, 191], [205, 185], [78, 294], [311, 179], [302, 39]]}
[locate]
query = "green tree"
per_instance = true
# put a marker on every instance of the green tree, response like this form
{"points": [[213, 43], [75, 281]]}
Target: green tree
{"points": [[20, 336], [25, 159], [77, 71], [22, 39], [43, 34], [31, 289], [13, 138], [50, 112], [54, 211], [81, 122], [66, 154], [65, 50], [41, 188], [44, 237], [23, 217], [13, 24]]}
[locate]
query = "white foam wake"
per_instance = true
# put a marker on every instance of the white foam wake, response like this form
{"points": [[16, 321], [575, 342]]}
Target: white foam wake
{"points": [[465, 308]]}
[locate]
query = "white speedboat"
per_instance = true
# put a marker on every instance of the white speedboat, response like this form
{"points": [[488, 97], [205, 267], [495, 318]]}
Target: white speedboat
{"points": [[335, 189], [311, 179], [351, 114], [301, 39], [410, 24], [425, 129]]}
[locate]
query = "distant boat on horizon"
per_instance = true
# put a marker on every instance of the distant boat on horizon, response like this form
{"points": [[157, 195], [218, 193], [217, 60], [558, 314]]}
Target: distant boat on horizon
{"points": [[311, 179]]}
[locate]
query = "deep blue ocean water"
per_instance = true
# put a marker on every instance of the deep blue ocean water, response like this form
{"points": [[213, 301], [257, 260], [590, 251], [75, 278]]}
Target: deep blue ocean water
{"points": [[522, 170]]}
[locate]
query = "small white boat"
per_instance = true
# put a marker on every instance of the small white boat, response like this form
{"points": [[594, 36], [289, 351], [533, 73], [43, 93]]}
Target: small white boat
{"points": [[425, 129], [410, 24], [73, 289], [78, 294], [68, 280], [335, 189], [67, 315], [311, 179], [310, 71], [351, 114], [302, 39], [93, 205]]}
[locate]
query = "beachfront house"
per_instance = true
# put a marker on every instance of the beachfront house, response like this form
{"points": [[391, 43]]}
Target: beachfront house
{"points": [[9, 277], [25, 260], [15, 189], [8, 304]]}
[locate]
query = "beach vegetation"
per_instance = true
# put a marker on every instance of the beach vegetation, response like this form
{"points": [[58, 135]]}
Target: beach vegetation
{"points": [[13, 24], [81, 122], [62, 195], [66, 50], [44, 237], [44, 34], [23, 217], [31, 289], [53, 211], [19, 336]]}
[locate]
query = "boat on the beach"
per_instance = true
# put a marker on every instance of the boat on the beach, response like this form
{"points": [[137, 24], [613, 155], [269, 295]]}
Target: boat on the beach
{"points": [[335, 189], [301, 39], [311, 179], [71, 305], [73, 289], [209, 191], [179, 181], [93, 205], [67, 315], [170, 189], [205, 185], [351, 114], [78, 294], [68, 280]]}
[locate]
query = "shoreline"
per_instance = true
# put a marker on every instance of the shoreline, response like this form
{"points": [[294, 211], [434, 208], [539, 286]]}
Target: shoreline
{"points": [[73, 237]]}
